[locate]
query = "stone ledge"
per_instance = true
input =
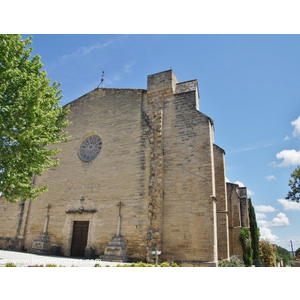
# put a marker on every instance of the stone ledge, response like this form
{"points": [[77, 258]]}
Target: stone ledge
{"points": [[81, 211]]}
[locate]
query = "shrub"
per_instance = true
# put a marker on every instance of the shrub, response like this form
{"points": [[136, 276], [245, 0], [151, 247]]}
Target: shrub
{"points": [[233, 262], [165, 264], [174, 265], [267, 253], [10, 265], [51, 265], [143, 265], [35, 266]]}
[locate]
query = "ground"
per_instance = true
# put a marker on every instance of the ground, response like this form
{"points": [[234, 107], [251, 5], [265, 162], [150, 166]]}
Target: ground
{"points": [[24, 259]]}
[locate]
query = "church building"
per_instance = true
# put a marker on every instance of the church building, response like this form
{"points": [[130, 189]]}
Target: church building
{"points": [[141, 179]]}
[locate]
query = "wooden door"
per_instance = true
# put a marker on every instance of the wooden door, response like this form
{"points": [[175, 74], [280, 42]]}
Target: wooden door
{"points": [[79, 240]]}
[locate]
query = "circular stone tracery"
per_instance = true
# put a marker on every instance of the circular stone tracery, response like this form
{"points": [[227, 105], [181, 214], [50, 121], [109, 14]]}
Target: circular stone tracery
{"points": [[90, 147]]}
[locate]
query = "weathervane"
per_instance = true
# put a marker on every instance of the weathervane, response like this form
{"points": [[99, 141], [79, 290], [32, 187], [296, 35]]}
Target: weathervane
{"points": [[102, 80]]}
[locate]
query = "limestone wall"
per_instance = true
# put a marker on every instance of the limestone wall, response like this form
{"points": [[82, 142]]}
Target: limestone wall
{"points": [[8, 222], [238, 216], [189, 213], [222, 205], [117, 174]]}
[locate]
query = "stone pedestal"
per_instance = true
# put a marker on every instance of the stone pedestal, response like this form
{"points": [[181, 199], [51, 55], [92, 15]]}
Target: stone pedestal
{"points": [[41, 245], [55, 250], [89, 253], [15, 244], [115, 250]]}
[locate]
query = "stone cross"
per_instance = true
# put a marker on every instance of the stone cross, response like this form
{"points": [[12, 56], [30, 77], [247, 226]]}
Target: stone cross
{"points": [[47, 218], [48, 209], [81, 202], [120, 204]]}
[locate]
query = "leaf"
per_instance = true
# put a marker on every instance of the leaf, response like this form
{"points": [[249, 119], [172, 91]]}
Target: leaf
{"points": [[31, 119]]}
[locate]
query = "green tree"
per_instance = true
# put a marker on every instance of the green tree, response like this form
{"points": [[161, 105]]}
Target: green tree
{"points": [[254, 232], [30, 119], [267, 253], [245, 238], [294, 184], [284, 254]]}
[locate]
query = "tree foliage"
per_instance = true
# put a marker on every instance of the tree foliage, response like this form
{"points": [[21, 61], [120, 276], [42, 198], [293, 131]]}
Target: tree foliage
{"points": [[30, 119], [283, 254], [245, 238], [254, 232], [294, 184], [267, 253]]}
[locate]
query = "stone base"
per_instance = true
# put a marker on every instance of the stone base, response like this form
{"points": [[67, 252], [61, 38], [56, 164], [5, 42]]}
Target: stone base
{"points": [[115, 250], [41, 245], [15, 244]]}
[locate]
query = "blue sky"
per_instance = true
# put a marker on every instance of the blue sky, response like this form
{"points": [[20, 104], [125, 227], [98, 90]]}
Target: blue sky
{"points": [[249, 85]]}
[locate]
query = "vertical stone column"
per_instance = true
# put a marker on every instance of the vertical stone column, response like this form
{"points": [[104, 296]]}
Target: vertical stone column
{"points": [[160, 89], [244, 207], [156, 177], [222, 206]]}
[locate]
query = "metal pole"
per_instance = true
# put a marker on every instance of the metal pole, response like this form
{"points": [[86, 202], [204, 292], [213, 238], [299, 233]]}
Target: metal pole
{"points": [[292, 248]]}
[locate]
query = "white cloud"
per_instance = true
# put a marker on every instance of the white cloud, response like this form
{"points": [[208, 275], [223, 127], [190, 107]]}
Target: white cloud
{"points": [[279, 221], [296, 124], [289, 205], [82, 51], [254, 146], [286, 138], [290, 158], [260, 216], [127, 67], [262, 223], [264, 208], [87, 50], [270, 177], [116, 77], [250, 193], [266, 233], [240, 184]]}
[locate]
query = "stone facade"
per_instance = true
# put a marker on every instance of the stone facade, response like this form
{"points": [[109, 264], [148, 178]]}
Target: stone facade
{"points": [[238, 216], [158, 159]]}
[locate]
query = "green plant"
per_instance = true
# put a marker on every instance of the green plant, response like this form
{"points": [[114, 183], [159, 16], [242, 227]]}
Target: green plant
{"points": [[31, 118], [174, 265], [254, 230], [283, 254], [294, 184], [51, 265], [234, 261], [35, 266], [267, 252], [10, 265], [97, 265], [143, 265], [165, 264], [245, 238]]}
